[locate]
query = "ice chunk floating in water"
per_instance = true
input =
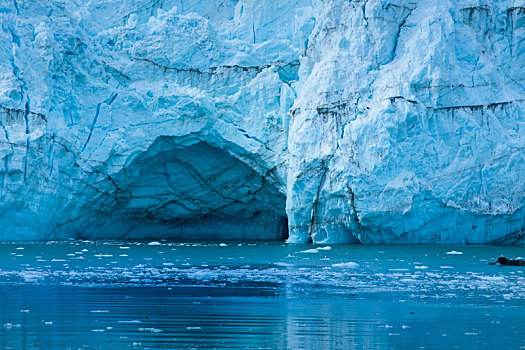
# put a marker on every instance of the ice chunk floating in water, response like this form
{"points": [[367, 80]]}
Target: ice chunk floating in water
{"points": [[454, 252], [346, 265]]}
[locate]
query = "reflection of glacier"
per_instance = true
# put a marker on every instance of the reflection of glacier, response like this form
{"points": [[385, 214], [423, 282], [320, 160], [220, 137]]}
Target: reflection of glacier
{"points": [[363, 121]]}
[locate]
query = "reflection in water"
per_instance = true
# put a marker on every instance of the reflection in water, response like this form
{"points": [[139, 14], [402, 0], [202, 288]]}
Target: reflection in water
{"points": [[264, 296]]}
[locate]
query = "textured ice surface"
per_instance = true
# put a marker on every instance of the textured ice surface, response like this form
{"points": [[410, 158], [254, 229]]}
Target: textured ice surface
{"points": [[347, 121]]}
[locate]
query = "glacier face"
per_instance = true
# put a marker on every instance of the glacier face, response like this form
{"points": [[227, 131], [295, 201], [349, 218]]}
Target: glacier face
{"points": [[329, 121]]}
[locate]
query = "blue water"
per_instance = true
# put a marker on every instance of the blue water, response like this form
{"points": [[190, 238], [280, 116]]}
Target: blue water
{"points": [[117, 295]]}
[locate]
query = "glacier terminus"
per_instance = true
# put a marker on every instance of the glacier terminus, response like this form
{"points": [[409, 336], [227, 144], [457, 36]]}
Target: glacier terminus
{"points": [[362, 121]]}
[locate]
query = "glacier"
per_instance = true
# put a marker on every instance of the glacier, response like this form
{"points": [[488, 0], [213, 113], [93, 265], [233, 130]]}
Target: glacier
{"points": [[364, 121]]}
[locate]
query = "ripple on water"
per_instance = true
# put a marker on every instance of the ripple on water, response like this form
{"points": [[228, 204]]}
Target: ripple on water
{"points": [[265, 295]]}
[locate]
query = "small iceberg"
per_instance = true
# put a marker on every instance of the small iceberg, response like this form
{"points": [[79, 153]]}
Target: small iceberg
{"points": [[150, 329], [347, 265], [309, 251], [454, 252]]}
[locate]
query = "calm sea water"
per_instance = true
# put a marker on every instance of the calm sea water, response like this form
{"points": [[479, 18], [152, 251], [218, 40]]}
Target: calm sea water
{"points": [[119, 295]]}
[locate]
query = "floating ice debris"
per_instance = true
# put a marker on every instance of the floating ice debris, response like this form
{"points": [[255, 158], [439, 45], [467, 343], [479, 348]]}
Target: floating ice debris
{"points": [[446, 267], [454, 252], [167, 264], [471, 333], [324, 248], [223, 245], [490, 278], [154, 243], [124, 247], [407, 280], [58, 260], [19, 248], [279, 263], [10, 325], [309, 251], [103, 255], [421, 267], [434, 275], [347, 265], [130, 321], [30, 276], [98, 330], [150, 329], [24, 311], [193, 328], [204, 275], [387, 326], [123, 255], [99, 311], [47, 322]]}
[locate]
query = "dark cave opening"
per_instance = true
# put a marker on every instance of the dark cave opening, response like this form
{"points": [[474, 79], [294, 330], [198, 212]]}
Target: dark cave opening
{"points": [[192, 191]]}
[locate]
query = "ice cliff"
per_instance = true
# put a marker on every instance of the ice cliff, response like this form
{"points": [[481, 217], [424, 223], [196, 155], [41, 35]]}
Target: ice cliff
{"points": [[374, 121]]}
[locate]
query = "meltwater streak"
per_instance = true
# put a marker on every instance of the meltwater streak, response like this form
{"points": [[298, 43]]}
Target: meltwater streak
{"points": [[134, 295]]}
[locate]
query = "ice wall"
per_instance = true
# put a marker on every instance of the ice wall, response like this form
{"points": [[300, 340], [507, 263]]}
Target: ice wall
{"points": [[344, 121]]}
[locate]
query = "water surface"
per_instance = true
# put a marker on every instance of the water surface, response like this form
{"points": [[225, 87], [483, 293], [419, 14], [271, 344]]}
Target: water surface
{"points": [[116, 295]]}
